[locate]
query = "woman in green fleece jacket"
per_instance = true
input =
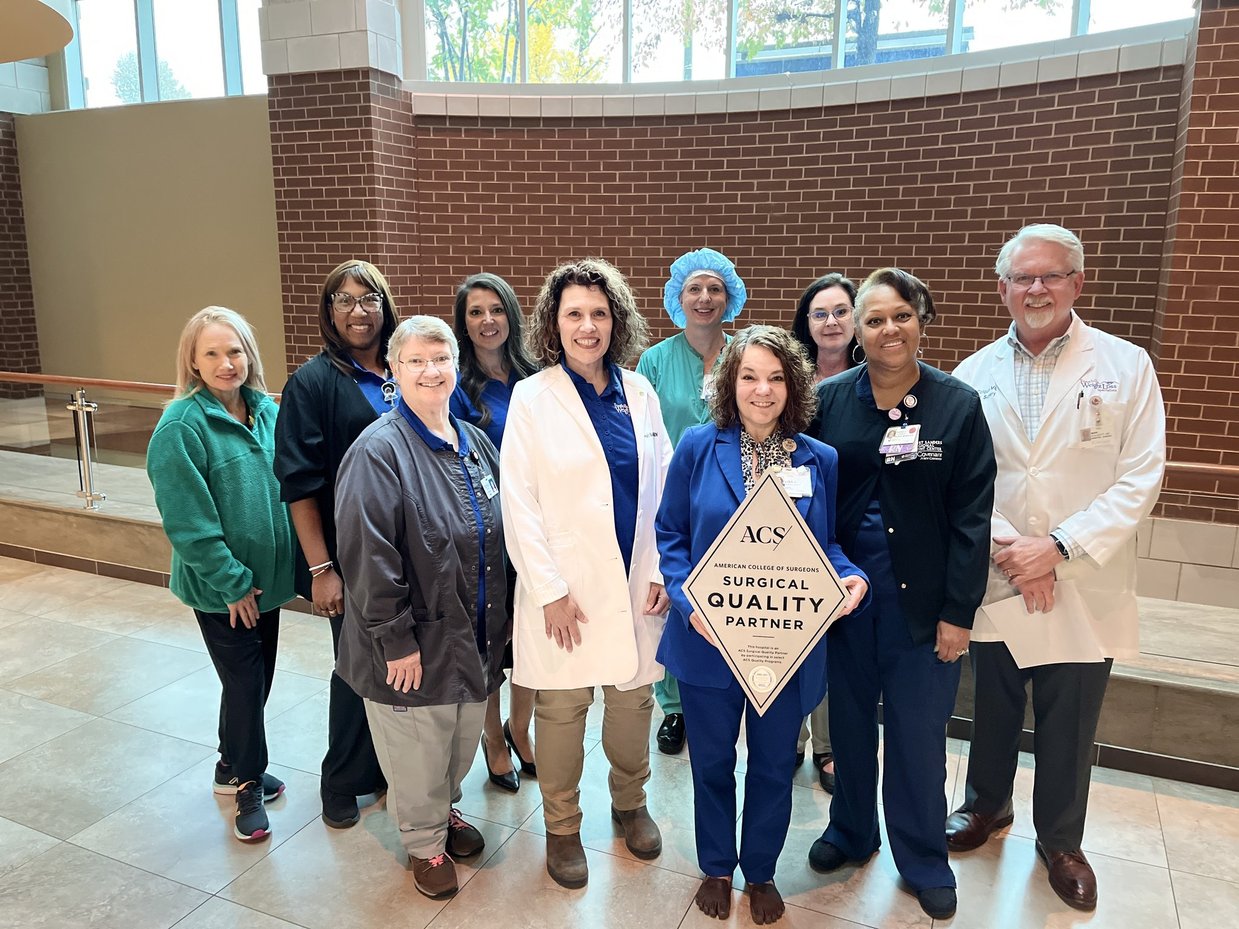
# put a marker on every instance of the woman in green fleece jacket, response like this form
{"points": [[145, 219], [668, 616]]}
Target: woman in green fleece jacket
{"points": [[210, 463]]}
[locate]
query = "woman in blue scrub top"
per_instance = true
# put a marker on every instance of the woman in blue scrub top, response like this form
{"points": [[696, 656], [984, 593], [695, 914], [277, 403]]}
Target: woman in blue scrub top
{"points": [[488, 325], [763, 400]]}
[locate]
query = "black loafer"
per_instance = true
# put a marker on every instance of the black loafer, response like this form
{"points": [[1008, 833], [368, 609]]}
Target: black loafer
{"points": [[671, 734], [511, 781]]}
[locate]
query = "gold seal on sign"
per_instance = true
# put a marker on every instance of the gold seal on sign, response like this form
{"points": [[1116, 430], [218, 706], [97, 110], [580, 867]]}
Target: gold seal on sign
{"points": [[789, 445]]}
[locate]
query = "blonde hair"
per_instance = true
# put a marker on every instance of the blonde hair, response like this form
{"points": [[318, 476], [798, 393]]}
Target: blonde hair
{"points": [[188, 382], [428, 329]]}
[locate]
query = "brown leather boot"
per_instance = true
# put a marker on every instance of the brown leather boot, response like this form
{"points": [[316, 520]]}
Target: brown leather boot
{"points": [[565, 860], [641, 833]]}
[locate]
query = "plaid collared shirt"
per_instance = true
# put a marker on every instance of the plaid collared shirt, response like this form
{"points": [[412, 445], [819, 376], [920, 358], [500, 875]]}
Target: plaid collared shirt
{"points": [[1032, 382], [1032, 378]]}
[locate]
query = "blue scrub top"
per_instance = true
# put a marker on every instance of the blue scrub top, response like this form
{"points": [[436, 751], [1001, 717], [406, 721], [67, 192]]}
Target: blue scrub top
{"points": [[612, 421], [497, 396]]}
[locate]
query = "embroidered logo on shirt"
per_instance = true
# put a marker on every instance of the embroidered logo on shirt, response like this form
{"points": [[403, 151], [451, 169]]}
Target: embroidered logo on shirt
{"points": [[1103, 386], [929, 449], [622, 408]]}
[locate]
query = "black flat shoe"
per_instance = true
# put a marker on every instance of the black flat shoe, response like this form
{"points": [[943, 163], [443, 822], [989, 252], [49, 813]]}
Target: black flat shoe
{"points": [[510, 782], [527, 767], [824, 777], [671, 734]]}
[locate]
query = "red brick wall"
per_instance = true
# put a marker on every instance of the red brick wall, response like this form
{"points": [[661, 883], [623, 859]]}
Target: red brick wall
{"points": [[932, 185], [1130, 161], [19, 338], [342, 153], [1197, 331]]}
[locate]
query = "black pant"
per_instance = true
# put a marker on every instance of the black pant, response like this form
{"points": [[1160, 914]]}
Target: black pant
{"points": [[1066, 706], [244, 659], [350, 766]]}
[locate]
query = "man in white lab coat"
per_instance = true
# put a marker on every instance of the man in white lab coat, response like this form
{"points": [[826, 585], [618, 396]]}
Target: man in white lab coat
{"points": [[1079, 434]]}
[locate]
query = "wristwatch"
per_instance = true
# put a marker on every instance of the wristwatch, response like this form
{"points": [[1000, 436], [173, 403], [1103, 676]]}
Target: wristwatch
{"points": [[1061, 546]]}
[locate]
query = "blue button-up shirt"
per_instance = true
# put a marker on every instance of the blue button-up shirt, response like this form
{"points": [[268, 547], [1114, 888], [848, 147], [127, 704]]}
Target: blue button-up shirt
{"points": [[608, 411], [436, 444]]}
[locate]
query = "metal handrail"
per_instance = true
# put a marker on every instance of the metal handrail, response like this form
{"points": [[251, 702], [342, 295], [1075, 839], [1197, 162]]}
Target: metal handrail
{"points": [[21, 377], [1210, 470]]}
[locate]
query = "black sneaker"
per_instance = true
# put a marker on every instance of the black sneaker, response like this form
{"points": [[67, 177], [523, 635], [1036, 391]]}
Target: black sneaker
{"points": [[340, 811], [251, 822], [226, 783]]}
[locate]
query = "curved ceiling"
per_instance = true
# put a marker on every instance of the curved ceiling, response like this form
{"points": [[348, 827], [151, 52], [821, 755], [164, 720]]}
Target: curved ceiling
{"points": [[31, 29]]}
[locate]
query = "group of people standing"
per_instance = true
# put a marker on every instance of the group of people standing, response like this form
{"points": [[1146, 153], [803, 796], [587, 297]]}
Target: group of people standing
{"points": [[505, 494]]}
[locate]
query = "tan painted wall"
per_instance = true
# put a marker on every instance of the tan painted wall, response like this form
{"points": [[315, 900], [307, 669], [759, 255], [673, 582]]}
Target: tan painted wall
{"points": [[137, 217]]}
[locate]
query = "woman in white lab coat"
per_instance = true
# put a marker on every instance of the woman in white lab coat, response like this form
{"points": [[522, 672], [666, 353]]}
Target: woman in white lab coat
{"points": [[584, 457]]}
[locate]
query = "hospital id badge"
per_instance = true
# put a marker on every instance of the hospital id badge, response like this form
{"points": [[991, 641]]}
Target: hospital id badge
{"points": [[489, 487], [797, 481], [1098, 424], [900, 440]]}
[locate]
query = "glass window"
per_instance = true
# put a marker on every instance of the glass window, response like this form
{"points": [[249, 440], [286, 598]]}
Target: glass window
{"points": [[895, 30], [682, 42], [575, 41], [109, 41], [778, 36], [187, 43], [1123, 14], [253, 81], [1003, 23], [472, 40]]}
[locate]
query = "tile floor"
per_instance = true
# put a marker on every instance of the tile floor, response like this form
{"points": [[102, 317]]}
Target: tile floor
{"points": [[107, 715]]}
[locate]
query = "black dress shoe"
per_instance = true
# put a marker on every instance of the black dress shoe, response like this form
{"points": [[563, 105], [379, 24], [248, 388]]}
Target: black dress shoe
{"points": [[824, 777], [800, 757], [967, 829], [510, 782], [527, 767], [671, 734]]}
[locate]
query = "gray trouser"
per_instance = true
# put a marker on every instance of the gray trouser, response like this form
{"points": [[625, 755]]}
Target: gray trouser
{"points": [[819, 721], [425, 753]]}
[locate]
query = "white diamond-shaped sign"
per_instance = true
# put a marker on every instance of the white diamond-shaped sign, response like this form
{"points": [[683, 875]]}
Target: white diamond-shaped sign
{"points": [[766, 590]]}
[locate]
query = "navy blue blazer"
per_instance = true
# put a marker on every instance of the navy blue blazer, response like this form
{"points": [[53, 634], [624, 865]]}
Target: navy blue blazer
{"points": [[705, 486]]}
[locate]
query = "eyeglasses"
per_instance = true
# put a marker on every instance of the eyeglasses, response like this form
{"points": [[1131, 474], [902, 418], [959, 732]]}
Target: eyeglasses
{"points": [[1053, 279], [344, 303], [418, 365], [839, 312]]}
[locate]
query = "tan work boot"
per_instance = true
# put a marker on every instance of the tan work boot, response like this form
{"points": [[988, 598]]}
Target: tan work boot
{"points": [[565, 860]]}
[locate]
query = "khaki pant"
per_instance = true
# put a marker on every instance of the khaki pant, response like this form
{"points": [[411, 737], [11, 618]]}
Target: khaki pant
{"points": [[559, 732], [819, 720], [425, 753]]}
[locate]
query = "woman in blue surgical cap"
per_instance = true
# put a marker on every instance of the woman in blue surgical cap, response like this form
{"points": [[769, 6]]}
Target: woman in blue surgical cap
{"points": [[703, 292]]}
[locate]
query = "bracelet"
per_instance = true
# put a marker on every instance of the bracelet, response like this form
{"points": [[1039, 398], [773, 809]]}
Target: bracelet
{"points": [[323, 568]]}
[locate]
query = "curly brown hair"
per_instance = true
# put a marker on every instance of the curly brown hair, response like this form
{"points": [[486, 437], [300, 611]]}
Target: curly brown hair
{"points": [[629, 333], [797, 369]]}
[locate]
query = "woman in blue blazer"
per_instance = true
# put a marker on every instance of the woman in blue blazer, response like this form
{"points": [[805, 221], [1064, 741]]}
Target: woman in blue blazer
{"points": [[764, 398]]}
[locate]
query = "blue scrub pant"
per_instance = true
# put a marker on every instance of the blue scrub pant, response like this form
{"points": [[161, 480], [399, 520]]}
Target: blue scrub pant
{"points": [[871, 655], [712, 718]]}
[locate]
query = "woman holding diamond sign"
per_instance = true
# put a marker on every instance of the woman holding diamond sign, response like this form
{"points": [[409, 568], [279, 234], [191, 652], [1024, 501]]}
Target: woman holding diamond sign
{"points": [[764, 399]]}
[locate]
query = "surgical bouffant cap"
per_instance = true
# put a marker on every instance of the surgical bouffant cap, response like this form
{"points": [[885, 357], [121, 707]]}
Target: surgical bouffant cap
{"points": [[716, 263]]}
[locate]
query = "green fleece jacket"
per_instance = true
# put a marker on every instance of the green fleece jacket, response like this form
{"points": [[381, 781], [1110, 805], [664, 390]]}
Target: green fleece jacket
{"points": [[220, 503]]}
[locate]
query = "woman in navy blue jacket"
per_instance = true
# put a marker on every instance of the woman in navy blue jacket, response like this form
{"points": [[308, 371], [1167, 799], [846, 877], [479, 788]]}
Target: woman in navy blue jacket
{"points": [[764, 399]]}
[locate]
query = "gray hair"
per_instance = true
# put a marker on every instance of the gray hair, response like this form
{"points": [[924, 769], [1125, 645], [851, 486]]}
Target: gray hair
{"points": [[426, 328], [1042, 232]]}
